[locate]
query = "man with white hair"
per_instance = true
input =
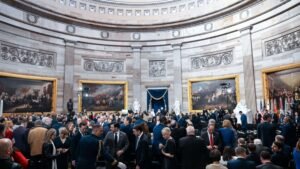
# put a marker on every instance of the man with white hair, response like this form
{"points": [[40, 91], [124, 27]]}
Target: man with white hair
{"points": [[192, 151], [260, 147]]}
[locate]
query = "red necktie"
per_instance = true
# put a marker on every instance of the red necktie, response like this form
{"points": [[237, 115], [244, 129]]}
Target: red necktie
{"points": [[211, 139]]}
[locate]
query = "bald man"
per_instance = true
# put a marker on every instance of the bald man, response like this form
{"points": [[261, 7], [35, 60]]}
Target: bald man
{"points": [[192, 151], [5, 155]]}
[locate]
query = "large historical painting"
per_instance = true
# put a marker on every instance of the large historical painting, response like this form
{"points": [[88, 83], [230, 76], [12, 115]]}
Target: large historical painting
{"points": [[282, 88], [210, 93], [103, 96], [27, 93]]}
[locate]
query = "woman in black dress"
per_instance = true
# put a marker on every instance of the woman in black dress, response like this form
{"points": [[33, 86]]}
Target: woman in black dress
{"points": [[168, 150], [63, 143], [50, 153]]}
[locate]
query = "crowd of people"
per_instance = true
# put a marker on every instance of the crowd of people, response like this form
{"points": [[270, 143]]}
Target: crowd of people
{"points": [[140, 141]]}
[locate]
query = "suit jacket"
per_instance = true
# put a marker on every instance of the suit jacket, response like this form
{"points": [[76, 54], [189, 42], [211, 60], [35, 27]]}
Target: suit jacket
{"points": [[142, 153], [74, 144], [192, 153], [122, 144], [266, 132], [254, 157], [48, 155], [288, 131], [216, 138], [240, 163], [88, 147], [157, 137], [268, 166], [36, 139]]}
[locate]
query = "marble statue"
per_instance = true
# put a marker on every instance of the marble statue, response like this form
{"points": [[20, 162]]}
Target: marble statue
{"points": [[241, 106], [177, 107], [136, 106]]}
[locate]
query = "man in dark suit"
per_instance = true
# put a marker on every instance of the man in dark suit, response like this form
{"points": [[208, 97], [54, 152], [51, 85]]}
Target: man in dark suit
{"points": [[240, 162], [117, 143], [266, 131], [75, 140], [211, 138], [88, 149], [141, 147], [288, 131], [265, 158], [192, 152]]}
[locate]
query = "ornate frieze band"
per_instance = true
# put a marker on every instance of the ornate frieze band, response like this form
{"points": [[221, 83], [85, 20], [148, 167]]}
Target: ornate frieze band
{"points": [[21, 54], [214, 59], [282, 44], [157, 68], [103, 66]]}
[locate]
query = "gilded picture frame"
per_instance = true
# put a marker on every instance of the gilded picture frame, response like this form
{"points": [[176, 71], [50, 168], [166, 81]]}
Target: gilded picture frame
{"points": [[99, 96], [27, 93], [207, 93], [269, 101]]}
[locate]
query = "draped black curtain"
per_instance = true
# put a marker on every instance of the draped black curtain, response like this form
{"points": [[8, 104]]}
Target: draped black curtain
{"points": [[157, 99]]}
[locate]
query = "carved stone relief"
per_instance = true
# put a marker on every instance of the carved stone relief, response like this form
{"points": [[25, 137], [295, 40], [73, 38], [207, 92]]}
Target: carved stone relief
{"points": [[157, 68], [20, 54], [214, 59], [103, 65], [282, 44]]}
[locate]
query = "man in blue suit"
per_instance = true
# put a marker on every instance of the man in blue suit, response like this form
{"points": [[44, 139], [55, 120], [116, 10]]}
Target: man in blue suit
{"points": [[244, 122], [240, 162], [157, 136]]}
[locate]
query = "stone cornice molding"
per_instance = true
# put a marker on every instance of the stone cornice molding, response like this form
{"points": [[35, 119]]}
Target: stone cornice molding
{"points": [[91, 13]]}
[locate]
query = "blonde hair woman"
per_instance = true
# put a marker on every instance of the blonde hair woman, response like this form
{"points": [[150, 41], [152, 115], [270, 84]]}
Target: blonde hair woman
{"points": [[50, 152], [227, 134]]}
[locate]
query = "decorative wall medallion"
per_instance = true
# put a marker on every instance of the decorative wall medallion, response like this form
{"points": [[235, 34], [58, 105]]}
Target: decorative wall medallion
{"points": [[136, 36], [70, 29], [157, 68], [20, 54], [176, 33], [208, 26], [103, 66], [32, 18], [104, 35], [214, 59], [282, 44], [244, 14]]}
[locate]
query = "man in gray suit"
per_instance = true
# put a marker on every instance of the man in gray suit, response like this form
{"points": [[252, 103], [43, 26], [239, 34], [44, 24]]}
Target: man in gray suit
{"points": [[116, 143]]}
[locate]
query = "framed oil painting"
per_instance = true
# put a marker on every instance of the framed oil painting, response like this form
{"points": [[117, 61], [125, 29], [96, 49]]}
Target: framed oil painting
{"points": [[97, 96], [23, 93], [210, 93], [281, 86]]}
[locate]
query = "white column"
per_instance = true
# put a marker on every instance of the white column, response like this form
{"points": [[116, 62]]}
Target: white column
{"points": [[136, 50], [249, 77], [177, 83]]}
